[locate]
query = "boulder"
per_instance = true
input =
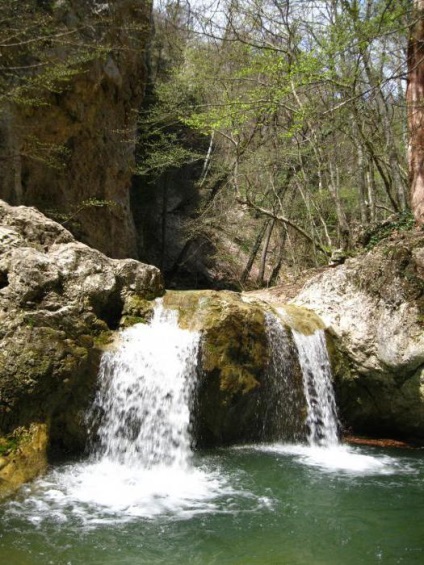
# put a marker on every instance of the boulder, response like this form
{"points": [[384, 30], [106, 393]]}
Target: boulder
{"points": [[59, 301], [249, 384]]}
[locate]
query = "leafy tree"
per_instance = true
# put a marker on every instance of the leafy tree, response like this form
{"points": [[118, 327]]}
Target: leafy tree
{"points": [[304, 106]]}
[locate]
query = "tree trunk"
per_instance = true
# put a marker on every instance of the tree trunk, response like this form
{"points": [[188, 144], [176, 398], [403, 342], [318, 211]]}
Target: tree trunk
{"points": [[415, 100], [343, 224], [253, 253], [279, 262], [264, 255]]}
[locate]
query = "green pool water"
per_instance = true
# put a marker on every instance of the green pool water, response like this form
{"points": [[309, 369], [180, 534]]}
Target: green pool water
{"points": [[256, 505]]}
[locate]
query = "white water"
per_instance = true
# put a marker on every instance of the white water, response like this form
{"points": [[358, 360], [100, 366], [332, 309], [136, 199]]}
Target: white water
{"points": [[321, 419], [324, 450], [337, 459], [145, 390]]}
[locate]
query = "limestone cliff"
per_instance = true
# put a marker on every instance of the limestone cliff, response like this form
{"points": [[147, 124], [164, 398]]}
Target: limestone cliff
{"points": [[92, 118]]}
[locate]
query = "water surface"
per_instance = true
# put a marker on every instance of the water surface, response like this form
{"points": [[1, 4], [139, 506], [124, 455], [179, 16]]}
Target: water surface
{"points": [[253, 505]]}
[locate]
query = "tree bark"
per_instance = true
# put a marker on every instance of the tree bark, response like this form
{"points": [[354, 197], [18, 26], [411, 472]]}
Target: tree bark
{"points": [[253, 253], [415, 101]]}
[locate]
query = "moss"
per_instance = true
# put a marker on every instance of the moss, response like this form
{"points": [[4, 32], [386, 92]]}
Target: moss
{"points": [[403, 222], [25, 459], [104, 339], [234, 356], [127, 321], [138, 307], [301, 319], [8, 444], [197, 309], [236, 380]]}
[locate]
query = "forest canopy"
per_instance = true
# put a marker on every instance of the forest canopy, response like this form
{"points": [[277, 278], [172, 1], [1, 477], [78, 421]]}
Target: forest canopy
{"points": [[301, 106]]}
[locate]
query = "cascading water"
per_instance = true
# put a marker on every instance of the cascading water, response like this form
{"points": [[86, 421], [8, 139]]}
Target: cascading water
{"points": [[144, 395], [282, 413], [141, 464], [126, 502], [321, 421], [323, 449]]}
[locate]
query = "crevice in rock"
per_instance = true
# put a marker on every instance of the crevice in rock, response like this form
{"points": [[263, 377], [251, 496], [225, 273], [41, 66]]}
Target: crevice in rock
{"points": [[4, 279], [110, 311]]}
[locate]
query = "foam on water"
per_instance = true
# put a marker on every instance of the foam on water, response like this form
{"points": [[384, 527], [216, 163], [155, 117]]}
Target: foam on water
{"points": [[109, 492], [337, 459]]}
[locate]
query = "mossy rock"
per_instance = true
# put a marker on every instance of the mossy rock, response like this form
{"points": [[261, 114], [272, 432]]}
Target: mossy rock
{"points": [[25, 459], [49, 378], [233, 335], [137, 307], [235, 398], [301, 319]]}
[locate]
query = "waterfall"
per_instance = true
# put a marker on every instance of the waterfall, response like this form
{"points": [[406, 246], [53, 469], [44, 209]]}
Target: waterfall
{"points": [[321, 418], [142, 408], [285, 399]]}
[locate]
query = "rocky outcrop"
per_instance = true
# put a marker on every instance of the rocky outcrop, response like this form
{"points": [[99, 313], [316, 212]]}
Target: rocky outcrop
{"points": [[72, 153], [59, 299], [374, 309], [22, 456], [250, 385]]}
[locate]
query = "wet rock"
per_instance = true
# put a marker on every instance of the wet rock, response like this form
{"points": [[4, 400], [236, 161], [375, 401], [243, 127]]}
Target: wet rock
{"points": [[373, 306], [58, 301], [26, 458], [239, 395]]}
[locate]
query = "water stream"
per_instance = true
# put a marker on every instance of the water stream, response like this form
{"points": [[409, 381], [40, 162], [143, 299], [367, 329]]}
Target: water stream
{"points": [[321, 420], [144, 497], [143, 402]]}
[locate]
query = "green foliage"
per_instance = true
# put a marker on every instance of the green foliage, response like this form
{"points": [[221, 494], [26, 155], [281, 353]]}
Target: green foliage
{"points": [[400, 223], [70, 218], [164, 150], [51, 154], [40, 54]]}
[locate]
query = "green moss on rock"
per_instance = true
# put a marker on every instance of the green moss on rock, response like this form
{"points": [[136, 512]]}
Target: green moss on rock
{"points": [[301, 319], [25, 458], [137, 307], [234, 399]]}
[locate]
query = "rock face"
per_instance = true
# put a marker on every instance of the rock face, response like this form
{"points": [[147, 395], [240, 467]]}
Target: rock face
{"points": [[93, 118], [250, 385], [374, 308], [58, 301]]}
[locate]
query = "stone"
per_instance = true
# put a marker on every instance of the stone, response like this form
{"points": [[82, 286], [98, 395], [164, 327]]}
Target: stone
{"points": [[373, 307], [26, 460], [238, 396], [93, 117], [59, 301]]}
